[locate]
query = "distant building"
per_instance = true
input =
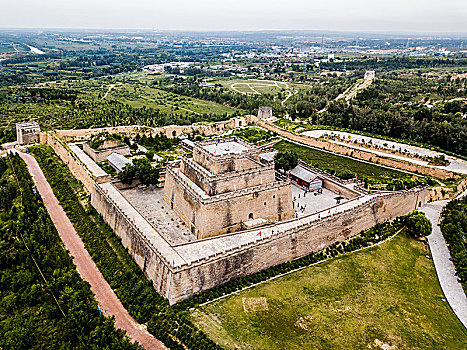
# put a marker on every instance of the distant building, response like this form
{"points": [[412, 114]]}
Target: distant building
{"points": [[265, 112], [306, 178], [27, 133], [369, 75], [117, 161], [207, 85]]}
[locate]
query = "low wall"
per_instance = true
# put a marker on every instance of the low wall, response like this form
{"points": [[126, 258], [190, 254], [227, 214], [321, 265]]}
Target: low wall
{"points": [[170, 131], [442, 193], [99, 156]]}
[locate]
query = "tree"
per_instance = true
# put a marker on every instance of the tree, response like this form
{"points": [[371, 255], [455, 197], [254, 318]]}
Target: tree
{"points": [[127, 174], [286, 160], [418, 224], [147, 174], [142, 169]]}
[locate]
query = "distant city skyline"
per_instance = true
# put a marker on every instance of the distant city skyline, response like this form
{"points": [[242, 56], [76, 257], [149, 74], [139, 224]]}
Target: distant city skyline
{"points": [[205, 15]]}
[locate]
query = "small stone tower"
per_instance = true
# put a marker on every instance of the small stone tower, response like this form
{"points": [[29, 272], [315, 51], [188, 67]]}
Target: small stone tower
{"points": [[264, 112], [27, 133]]}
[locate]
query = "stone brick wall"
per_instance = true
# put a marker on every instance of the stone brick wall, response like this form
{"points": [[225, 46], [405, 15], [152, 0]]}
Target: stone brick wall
{"points": [[360, 154], [181, 282], [442, 193], [77, 168], [207, 129], [99, 156], [289, 245], [153, 265], [227, 182], [212, 216]]}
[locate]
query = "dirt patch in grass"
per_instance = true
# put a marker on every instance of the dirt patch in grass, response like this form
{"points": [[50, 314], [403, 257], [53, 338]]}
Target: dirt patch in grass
{"points": [[255, 304]]}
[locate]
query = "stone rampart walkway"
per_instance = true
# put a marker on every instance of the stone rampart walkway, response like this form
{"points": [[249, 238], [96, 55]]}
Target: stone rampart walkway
{"points": [[108, 301], [444, 267]]}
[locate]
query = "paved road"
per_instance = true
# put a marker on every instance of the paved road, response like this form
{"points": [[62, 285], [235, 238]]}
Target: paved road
{"points": [[108, 301], [444, 267]]}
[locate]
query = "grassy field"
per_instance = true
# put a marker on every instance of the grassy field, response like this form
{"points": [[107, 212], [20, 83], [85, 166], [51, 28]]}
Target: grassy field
{"points": [[339, 165], [132, 89], [386, 297], [166, 101]]}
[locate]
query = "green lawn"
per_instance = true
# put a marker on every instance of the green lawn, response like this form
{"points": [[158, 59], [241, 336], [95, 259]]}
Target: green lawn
{"points": [[341, 166], [383, 295]]}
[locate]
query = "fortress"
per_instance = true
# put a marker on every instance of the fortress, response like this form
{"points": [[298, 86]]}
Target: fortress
{"points": [[225, 186], [224, 213]]}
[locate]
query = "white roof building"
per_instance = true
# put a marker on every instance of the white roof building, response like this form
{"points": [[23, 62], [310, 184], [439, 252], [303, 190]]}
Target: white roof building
{"points": [[117, 161]]}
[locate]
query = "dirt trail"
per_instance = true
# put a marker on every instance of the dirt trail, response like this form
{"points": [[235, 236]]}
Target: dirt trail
{"points": [[110, 89], [108, 301]]}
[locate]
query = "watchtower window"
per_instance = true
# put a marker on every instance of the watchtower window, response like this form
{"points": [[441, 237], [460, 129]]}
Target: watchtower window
{"points": [[250, 216], [174, 133]]}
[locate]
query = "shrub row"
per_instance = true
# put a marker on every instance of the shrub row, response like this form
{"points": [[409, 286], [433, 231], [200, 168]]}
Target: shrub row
{"points": [[454, 229], [130, 285]]}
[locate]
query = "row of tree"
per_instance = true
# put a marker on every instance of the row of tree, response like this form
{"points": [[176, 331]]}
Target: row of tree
{"points": [[454, 229], [44, 303]]}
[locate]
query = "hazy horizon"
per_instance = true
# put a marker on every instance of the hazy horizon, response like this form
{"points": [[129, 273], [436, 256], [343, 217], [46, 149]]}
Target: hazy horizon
{"points": [[396, 16]]}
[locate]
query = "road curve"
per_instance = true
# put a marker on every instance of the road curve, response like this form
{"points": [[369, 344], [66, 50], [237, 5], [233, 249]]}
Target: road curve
{"points": [[444, 267], [108, 301]]}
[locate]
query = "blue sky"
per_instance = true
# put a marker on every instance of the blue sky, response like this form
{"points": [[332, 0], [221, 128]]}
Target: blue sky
{"points": [[354, 15]]}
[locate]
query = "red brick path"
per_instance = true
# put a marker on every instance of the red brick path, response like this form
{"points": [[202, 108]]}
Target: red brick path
{"points": [[108, 301]]}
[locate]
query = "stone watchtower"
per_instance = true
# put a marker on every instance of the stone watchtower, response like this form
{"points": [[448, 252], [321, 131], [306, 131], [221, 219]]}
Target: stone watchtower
{"points": [[225, 186], [27, 133], [264, 112], [369, 75]]}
